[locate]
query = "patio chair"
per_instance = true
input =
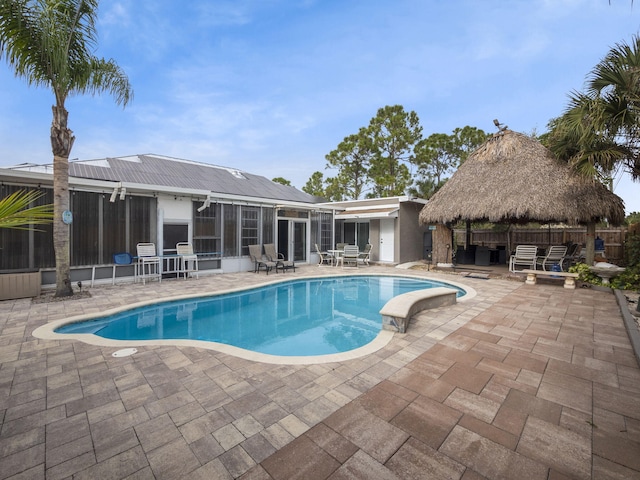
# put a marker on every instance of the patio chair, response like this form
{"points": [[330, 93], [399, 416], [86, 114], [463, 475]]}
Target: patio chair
{"points": [[325, 257], [148, 262], [364, 255], [525, 256], [119, 259], [188, 260], [555, 254], [255, 253], [573, 255], [350, 256], [278, 258]]}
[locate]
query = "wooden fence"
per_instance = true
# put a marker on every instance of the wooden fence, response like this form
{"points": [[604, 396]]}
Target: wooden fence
{"points": [[542, 237]]}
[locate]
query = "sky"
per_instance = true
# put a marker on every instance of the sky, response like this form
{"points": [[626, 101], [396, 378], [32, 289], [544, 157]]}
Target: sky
{"points": [[272, 86]]}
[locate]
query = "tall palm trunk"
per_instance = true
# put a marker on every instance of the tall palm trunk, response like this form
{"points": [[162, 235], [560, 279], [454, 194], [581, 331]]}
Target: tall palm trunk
{"points": [[61, 142]]}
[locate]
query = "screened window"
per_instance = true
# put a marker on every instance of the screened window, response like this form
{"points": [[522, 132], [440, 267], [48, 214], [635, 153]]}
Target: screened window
{"points": [[326, 231], [207, 227], [85, 228], [142, 220], [267, 225], [230, 244], [114, 230], [23, 249], [250, 223]]}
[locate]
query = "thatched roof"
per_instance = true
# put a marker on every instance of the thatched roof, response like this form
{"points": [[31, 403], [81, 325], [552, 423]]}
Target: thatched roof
{"points": [[512, 178]]}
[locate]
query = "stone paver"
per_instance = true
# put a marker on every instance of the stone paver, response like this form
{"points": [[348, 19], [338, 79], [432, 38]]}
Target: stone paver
{"points": [[519, 382]]}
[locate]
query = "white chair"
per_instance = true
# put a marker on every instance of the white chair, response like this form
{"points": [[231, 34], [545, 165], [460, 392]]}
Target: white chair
{"points": [[325, 257], [148, 262], [188, 260], [525, 256], [555, 254], [349, 256], [364, 255]]}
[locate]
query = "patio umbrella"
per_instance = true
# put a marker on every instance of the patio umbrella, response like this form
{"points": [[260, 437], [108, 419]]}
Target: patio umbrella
{"points": [[513, 178]]}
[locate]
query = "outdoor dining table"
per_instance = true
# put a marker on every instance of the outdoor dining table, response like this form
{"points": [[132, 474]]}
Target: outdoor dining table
{"points": [[336, 253]]}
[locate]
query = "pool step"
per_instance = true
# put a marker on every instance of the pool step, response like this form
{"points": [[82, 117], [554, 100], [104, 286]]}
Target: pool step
{"points": [[397, 312]]}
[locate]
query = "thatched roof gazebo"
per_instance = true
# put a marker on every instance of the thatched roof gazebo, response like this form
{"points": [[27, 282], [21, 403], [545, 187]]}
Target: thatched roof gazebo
{"points": [[512, 178]]}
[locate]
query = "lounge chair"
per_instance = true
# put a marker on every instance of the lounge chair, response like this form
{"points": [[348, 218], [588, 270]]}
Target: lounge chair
{"points": [[350, 256], [148, 262], [278, 258], [555, 255], [363, 256], [573, 255], [325, 257], [255, 253], [188, 260], [525, 256]]}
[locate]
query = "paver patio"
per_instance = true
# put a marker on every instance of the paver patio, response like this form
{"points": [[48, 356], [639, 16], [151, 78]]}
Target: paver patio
{"points": [[522, 381]]}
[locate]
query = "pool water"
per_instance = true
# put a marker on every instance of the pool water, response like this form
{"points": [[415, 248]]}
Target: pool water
{"points": [[301, 317]]}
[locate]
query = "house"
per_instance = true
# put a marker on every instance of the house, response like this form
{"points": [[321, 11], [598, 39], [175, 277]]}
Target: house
{"points": [[117, 203], [390, 224]]}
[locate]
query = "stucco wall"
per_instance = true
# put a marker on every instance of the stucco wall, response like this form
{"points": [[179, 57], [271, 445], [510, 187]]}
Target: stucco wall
{"points": [[410, 235]]}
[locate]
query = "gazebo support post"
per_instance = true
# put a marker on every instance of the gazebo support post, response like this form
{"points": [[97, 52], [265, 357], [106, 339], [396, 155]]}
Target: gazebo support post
{"points": [[590, 243], [467, 239]]}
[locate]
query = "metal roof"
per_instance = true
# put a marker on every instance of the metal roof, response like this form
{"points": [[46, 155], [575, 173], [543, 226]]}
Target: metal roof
{"points": [[164, 171]]}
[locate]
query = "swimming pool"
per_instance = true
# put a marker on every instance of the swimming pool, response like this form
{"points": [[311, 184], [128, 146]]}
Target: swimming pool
{"points": [[295, 318]]}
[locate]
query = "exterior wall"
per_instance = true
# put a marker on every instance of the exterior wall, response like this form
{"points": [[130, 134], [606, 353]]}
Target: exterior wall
{"points": [[410, 234], [374, 238]]}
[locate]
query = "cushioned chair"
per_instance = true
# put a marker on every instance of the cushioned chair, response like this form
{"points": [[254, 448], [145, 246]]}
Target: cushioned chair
{"points": [[364, 255], [148, 262], [188, 260], [573, 255], [325, 257], [255, 253], [278, 258]]}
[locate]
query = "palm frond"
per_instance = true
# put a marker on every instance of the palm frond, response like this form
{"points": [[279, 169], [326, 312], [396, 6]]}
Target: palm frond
{"points": [[16, 211]]}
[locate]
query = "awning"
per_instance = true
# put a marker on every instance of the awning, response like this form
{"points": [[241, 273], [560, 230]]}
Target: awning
{"points": [[390, 212]]}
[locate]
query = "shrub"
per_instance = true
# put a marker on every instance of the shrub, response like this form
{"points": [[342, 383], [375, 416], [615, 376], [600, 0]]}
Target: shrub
{"points": [[585, 275], [630, 278], [627, 280]]}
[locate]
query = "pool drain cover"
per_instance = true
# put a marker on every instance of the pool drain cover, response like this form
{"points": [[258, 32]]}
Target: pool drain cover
{"points": [[125, 352]]}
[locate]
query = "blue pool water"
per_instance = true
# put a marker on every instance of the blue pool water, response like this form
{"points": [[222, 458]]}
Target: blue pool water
{"points": [[301, 317]]}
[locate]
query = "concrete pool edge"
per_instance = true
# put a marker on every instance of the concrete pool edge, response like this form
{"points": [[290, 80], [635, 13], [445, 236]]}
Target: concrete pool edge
{"points": [[47, 331]]}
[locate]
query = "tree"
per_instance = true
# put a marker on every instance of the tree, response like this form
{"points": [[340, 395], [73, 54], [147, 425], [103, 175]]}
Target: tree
{"points": [[633, 217], [18, 212], [394, 133], [600, 129], [314, 185], [467, 140], [334, 190], [49, 43], [282, 181], [440, 154], [352, 158]]}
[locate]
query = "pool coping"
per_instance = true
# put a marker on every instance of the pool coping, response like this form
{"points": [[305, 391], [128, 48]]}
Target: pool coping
{"points": [[47, 331]]}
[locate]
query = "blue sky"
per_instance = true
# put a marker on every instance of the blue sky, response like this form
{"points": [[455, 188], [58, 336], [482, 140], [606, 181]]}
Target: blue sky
{"points": [[272, 86]]}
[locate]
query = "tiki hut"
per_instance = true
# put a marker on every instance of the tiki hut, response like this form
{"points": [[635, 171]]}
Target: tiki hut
{"points": [[512, 178]]}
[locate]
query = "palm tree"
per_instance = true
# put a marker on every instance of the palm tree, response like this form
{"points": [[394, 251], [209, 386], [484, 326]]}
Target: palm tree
{"points": [[600, 130], [16, 210], [50, 43]]}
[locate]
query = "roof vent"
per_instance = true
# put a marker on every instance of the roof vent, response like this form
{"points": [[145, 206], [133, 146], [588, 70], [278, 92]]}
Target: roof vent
{"points": [[237, 174]]}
